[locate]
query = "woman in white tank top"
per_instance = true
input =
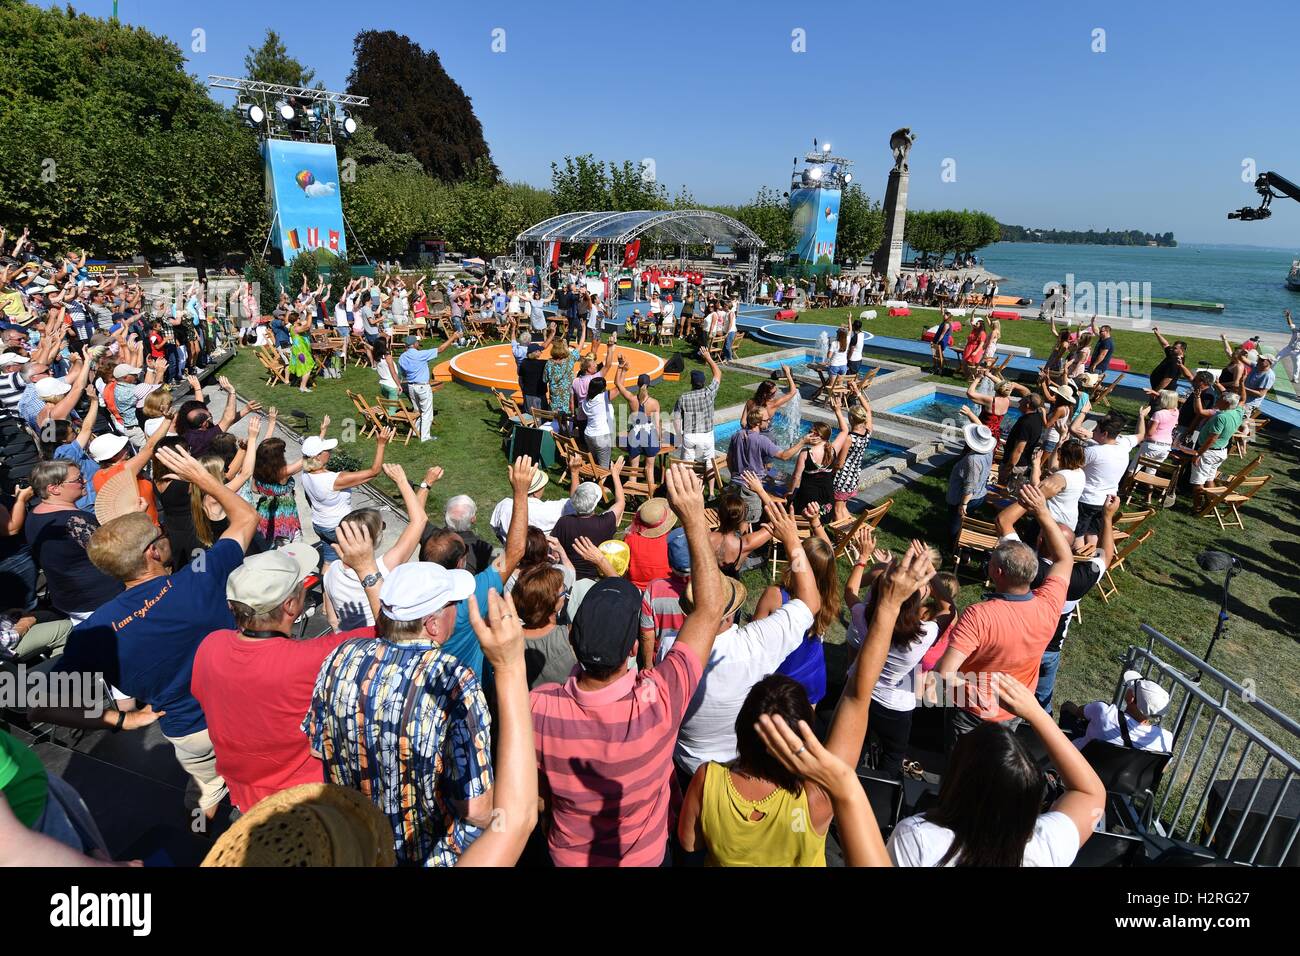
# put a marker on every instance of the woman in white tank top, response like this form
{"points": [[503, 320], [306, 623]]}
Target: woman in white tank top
{"points": [[1064, 485]]}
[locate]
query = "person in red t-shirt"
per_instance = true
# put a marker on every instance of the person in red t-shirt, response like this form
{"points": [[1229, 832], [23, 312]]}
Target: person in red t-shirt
{"points": [[1009, 632], [255, 683]]}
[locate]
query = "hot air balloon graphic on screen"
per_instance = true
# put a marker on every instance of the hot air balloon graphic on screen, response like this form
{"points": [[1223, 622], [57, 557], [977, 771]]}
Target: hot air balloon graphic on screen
{"points": [[307, 181]]}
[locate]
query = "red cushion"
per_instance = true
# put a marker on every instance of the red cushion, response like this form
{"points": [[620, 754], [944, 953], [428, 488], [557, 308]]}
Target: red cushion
{"points": [[785, 315], [1119, 365], [898, 312], [1000, 314]]}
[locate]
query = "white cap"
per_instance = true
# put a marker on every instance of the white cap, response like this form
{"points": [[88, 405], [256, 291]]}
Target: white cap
{"points": [[52, 387], [1151, 699], [104, 447], [122, 370], [415, 590], [265, 581], [151, 425], [49, 288], [314, 445], [13, 358]]}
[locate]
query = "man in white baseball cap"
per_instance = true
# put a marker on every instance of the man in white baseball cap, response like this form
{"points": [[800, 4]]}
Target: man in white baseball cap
{"points": [[1137, 726], [107, 449], [48, 388], [12, 385], [254, 681], [421, 695]]}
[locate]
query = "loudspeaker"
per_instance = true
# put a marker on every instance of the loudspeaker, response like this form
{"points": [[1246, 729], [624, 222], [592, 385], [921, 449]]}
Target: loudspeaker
{"points": [[674, 365], [526, 441]]}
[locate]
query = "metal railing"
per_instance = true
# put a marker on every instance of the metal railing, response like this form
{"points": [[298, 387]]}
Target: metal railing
{"points": [[1216, 723]]}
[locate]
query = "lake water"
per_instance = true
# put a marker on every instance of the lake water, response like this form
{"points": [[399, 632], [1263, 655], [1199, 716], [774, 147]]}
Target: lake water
{"points": [[1251, 283]]}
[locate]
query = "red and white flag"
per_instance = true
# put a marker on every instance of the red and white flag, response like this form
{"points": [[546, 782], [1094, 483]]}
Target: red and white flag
{"points": [[313, 237], [334, 239], [554, 255]]}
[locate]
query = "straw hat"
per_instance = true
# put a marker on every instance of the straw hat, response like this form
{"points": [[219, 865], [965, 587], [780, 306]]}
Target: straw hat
{"points": [[315, 824], [654, 518], [732, 590], [1065, 391]]}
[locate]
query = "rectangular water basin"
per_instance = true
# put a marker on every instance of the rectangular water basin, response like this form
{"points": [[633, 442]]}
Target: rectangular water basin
{"points": [[877, 451], [940, 407]]}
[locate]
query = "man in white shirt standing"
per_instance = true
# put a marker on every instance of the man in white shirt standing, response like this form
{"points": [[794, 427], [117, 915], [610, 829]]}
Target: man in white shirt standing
{"points": [[1104, 465], [742, 656]]}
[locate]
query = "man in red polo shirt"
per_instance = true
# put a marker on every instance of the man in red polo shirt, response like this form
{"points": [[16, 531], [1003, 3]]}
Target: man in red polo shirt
{"points": [[255, 683], [1009, 632], [605, 738]]}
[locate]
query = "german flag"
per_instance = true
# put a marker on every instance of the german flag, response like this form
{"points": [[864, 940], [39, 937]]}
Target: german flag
{"points": [[591, 252], [294, 242]]}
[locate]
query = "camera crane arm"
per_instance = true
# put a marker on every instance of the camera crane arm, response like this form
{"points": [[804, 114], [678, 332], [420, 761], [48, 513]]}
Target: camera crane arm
{"points": [[1265, 185]]}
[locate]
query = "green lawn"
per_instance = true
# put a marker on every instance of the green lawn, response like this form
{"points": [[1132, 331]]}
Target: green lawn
{"points": [[1162, 586]]}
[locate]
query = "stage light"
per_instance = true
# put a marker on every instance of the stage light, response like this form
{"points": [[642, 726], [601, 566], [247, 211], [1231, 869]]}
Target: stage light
{"points": [[826, 147], [252, 113], [848, 178], [815, 174], [285, 110], [349, 124]]}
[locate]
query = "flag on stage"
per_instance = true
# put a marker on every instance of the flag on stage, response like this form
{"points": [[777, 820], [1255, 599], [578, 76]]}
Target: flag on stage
{"points": [[554, 255], [630, 252], [591, 252], [313, 237], [294, 243], [334, 239]]}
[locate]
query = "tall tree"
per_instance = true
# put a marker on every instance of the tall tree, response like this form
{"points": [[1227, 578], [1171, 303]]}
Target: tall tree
{"points": [[861, 225], [271, 63], [415, 107]]}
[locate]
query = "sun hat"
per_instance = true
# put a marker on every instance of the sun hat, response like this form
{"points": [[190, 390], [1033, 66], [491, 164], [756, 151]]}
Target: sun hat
{"points": [[265, 581], [103, 447], [733, 592], [1065, 391], [654, 518], [540, 480], [979, 438], [419, 588], [312, 824], [122, 370], [314, 445], [52, 388]]}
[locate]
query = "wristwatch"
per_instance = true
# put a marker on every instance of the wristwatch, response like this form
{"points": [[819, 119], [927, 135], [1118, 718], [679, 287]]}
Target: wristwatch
{"points": [[425, 485], [370, 580]]}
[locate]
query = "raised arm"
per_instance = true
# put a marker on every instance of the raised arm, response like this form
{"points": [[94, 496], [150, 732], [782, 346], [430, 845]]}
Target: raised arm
{"points": [[417, 519], [1084, 801], [514, 792], [686, 496], [350, 479], [1054, 547], [521, 477], [1164, 342], [785, 530], [620, 500]]}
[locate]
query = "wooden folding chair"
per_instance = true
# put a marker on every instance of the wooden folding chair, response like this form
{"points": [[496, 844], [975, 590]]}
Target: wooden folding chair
{"points": [[1101, 395], [400, 416], [871, 517], [1153, 477], [357, 351], [277, 371], [1125, 525], [636, 484], [1240, 490], [371, 415], [1106, 587], [865, 381], [975, 537]]}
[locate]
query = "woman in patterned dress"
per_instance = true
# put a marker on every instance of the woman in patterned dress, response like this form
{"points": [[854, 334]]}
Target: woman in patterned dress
{"points": [[275, 494], [559, 378], [852, 446]]}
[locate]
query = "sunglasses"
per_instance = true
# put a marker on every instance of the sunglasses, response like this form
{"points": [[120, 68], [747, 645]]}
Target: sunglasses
{"points": [[158, 537]]}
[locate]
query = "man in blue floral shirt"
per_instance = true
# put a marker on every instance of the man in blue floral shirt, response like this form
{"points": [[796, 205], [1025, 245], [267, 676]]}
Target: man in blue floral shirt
{"points": [[406, 723]]}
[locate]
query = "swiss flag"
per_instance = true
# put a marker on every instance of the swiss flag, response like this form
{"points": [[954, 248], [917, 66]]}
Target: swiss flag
{"points": [[334, 239]]}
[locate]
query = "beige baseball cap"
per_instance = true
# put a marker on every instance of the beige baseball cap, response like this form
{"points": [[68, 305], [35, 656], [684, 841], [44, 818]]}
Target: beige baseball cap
{"points": [[264, 581]]}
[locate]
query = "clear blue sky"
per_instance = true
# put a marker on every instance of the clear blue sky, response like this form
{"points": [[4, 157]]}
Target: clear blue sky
{"points": [[1150, 134]]}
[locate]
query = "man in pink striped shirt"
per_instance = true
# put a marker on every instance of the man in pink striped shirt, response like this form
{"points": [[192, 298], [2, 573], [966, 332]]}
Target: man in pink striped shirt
{"points": [[605, 738]]}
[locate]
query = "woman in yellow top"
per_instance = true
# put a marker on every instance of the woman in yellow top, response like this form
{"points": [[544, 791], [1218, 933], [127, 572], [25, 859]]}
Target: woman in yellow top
{"points": [[753, 811]]}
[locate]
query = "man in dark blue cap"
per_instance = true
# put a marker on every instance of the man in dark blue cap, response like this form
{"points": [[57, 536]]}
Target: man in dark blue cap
{"points": [[693, 413]]}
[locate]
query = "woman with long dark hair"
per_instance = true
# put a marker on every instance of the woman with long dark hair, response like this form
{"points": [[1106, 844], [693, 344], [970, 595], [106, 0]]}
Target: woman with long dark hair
{"points": [[992, 794]]}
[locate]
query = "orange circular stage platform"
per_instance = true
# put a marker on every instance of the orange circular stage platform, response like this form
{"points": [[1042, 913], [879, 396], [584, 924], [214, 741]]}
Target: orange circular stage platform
{"points": [[494, 367]]}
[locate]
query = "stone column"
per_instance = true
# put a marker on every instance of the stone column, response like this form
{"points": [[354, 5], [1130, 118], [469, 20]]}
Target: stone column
{"points": [[888, 260]]}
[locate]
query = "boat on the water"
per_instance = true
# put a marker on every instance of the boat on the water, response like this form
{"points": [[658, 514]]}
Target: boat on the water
{"points": [[1293, 280]]}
